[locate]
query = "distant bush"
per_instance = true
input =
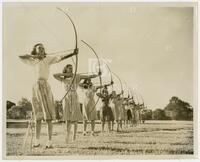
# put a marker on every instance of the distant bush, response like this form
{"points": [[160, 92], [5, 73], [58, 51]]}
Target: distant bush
{"points": [[178, 109], [21, 111], [159, 114]]}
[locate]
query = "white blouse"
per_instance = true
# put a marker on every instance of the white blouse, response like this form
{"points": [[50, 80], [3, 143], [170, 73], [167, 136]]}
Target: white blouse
{"points": [[42, 66]]}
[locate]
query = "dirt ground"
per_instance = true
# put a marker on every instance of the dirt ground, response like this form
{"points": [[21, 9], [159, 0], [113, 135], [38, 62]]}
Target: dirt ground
{"points": [[151, 138]]}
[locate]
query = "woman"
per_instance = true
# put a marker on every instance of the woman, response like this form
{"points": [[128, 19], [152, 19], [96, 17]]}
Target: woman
{"points": [[129, 113], [71, 109], [120, 101], [42, 97], [89, 106], [106, 112], [115, 106]]}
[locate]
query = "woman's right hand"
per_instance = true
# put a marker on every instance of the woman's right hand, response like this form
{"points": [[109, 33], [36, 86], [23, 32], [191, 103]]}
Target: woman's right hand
{"points": [[99, 73], [76, 51]]}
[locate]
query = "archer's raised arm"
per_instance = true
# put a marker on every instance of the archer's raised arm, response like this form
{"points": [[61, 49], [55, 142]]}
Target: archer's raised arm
{"points": [[90, 76], [70, 55], [57, 59], [62, 76]]}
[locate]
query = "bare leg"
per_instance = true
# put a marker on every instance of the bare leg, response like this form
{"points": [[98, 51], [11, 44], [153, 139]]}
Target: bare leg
{"points": [[49, 132], [84, 127], [38, 126], [50, 129], [120, 124], [92, 125], [112, 126], [117, 126], [109, 126], [126, 123], [102, 125], [75, 130], [68, 125]]}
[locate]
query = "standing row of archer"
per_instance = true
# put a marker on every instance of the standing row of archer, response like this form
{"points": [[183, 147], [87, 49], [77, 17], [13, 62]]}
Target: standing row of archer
{"points": [[115, 107]]}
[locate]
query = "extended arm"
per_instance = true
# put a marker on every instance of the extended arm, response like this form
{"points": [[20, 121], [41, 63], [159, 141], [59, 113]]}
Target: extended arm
{"points": [[61, 76], [29, 59], [90, 76], [57, 59]]}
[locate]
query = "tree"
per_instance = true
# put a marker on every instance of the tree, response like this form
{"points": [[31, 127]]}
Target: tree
{"points": [[26, 104], [147, 114], [16, 112], [21, 111], [159, 114], [59, 110], [178, 109], [9, 104]]}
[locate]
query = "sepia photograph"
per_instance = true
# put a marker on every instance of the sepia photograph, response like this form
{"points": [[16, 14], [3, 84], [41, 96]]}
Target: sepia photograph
{"points": [[99, 80]]}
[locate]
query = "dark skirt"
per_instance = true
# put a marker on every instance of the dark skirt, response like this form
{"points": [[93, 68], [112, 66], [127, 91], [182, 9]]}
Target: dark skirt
{"points": [[129, 114], [106, 114]]}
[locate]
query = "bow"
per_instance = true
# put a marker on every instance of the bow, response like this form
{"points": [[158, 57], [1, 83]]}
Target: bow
{"points": [[111, 79], [137, 99], [100, 79], [122, 91], [76, 47], [132, 93], [142, 99], [143, 105], [127, 89], [132, 96]]}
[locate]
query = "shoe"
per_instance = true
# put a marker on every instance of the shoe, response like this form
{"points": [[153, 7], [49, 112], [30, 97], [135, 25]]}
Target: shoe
{"points": [[49, 144], [36, 143]]}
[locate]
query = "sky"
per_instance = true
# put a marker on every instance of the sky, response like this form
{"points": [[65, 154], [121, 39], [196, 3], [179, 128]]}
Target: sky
{"points": [[149, 47]]}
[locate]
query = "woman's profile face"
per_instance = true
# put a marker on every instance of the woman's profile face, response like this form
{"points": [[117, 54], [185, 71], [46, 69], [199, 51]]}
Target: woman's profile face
{"points": [[105, 92], [69, 69], [113, 93], [90, 83]]}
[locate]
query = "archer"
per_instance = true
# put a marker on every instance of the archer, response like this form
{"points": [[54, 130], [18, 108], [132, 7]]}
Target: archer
{"points": [[71, 109], [89, 106], [42, 97], [106, 113], [116, 109]]}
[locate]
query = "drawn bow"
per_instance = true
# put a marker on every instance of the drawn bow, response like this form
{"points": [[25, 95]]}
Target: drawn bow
{"points": [[122, 91], [100, 79], [76, 47], [111, 78]]}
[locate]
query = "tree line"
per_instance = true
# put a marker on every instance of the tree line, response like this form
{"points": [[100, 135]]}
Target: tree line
{"points": [[176, 109]]}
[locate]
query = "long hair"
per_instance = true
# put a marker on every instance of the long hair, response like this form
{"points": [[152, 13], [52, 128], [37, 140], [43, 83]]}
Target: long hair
{"points": [[65, 69], [34, 51]]}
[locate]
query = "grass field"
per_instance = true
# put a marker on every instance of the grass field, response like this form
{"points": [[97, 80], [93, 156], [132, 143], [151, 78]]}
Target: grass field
{"points": [[151, 138]]}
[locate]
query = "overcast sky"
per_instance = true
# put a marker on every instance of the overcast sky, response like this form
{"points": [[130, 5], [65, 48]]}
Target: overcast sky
{"points": [[149, 47]]}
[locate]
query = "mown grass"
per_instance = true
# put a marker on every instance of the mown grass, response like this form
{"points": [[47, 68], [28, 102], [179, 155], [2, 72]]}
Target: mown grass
{"points": [[152, 138]]}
